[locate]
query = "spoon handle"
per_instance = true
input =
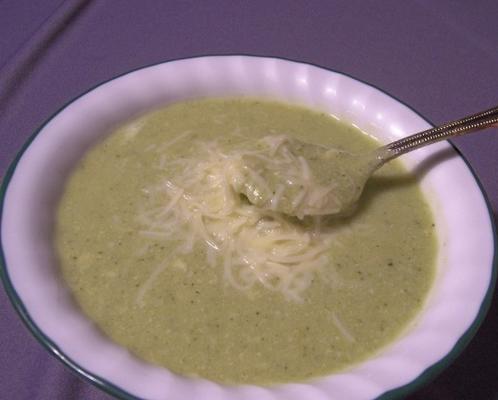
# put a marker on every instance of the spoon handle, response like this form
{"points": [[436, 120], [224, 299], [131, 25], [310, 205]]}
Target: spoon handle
{"points": [[460, 127]]}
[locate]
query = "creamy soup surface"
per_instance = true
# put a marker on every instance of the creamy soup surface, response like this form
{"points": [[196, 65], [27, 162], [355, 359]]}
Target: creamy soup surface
{"points": [[170, 262]]}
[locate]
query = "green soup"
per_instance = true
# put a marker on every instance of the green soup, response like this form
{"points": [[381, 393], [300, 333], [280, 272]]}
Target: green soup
{"points": [[170, 264]]}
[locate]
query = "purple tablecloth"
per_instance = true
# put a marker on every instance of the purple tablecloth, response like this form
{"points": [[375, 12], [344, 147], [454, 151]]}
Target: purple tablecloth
{"points": [[439, 57]]}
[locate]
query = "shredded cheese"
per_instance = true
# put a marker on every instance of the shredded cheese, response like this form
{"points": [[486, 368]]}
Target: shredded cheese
{"points": [[199, 206]]}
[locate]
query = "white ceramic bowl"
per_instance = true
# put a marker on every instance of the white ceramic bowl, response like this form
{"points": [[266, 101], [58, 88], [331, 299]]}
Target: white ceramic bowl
{"points": [[455, 307]]}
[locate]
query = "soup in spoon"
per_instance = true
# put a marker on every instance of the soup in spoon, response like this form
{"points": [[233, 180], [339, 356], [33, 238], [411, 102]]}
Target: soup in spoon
{"points": [[299, 179]]}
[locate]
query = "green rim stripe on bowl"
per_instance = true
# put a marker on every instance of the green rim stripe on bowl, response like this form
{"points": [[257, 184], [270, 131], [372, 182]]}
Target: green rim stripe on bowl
{"points": [[424, 378]]}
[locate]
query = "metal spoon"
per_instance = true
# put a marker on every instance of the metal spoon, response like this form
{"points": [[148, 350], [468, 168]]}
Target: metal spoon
{"points": [[348, 172]]}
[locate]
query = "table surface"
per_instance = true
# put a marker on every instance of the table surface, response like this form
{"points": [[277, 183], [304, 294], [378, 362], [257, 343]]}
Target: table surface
{"points": [[441, 58]]}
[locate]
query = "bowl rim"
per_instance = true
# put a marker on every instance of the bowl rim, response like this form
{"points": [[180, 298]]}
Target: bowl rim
{"points": [[424, 378]]}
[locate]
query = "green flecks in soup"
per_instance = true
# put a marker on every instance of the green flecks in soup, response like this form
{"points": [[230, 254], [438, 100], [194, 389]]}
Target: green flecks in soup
{"points": [[171, 263]]}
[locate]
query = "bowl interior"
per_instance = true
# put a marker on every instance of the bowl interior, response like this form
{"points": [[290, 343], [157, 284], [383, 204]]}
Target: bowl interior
{"points": [[32, 189]]}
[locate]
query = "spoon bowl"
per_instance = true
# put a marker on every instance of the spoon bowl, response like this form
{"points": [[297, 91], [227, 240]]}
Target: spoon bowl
{"points": [[303, 179]]}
